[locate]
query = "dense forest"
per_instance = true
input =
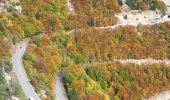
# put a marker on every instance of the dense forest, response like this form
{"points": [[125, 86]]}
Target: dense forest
{"points": [[51, 49], [147, 5], [123, 42], [93, 13], [116, 81], [42, 61], [96, 13], [80, 86]]}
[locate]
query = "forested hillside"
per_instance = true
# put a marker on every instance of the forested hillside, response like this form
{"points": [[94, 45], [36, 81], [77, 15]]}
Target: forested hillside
{"points": [[93, 13], [42, 59], [116, 81], [124, 42], [147, 5], [37, 17], [54, 48]]}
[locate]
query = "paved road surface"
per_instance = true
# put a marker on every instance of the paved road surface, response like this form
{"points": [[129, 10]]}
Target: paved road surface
{"points": [[20, 71], [59, 88]]}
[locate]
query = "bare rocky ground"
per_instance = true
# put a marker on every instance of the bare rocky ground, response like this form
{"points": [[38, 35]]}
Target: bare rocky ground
{"points": [[148, 61], [7, 5], [161, 96]]}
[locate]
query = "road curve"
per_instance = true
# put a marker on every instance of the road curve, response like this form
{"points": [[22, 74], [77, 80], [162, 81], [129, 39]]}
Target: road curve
{"points": [[20, 71], [59, 88]]}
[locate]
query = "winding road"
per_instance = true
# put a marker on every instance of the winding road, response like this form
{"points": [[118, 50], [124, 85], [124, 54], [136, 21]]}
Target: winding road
{"points": [[59, 88], [20, 71], [28, 89]]}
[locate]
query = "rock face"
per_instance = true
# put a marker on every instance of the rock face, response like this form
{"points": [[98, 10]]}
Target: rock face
{"points": [[167, 2], [168, 10], [70, 6], [8, 6], [4, 6], [120, 2], [15, 1]]}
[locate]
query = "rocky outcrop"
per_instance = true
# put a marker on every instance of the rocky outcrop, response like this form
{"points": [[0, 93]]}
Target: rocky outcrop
{"points": [[7, 6]]}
